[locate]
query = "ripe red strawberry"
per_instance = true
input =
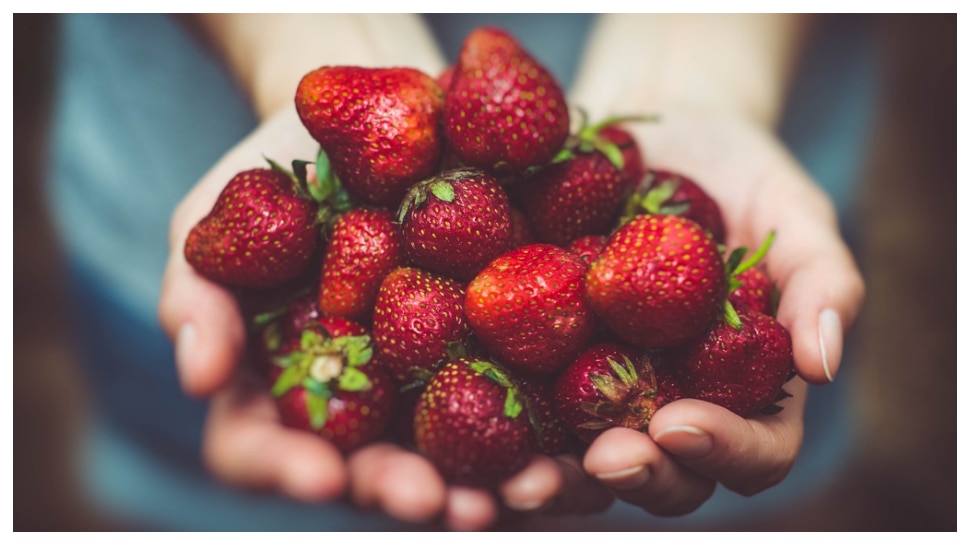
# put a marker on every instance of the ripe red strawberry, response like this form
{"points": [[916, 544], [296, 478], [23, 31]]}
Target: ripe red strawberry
{"points": [[659, 281], [609, 386], [261, 232], [549, 435], [418, 322], [522, 234], [472, 424], [503, 106], [445, 78], [740, 368], [589, 247], [634, 168], [754, 293], [379, 126], [669, 193], [528, 308], [270, 328], [573, 198], [456, 222], [324, 382], [364, 246]]}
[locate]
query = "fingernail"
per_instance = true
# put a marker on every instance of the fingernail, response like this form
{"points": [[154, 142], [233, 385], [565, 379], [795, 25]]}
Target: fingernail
{"points": [[685, 441], [525, 505], [830, 342], [626, 479], [184, 344]]}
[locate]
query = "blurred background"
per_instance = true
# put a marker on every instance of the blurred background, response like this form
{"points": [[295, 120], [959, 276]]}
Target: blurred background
{"points": [[902, 470]]}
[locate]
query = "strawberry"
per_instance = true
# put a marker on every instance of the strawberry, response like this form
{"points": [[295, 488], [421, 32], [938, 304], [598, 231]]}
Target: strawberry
{"points": [[261, 232], [658, 282], [528, 308], [503, 107], [588, 248], [445, 78], [379, 126], [364, 246], [634, 168], [323, 382], [754, 293], [456, 222], [418, 322], [609, 386], [666, 192], [549, 436], [573, 198], [270, 328], [471, 423], [741, 368]]}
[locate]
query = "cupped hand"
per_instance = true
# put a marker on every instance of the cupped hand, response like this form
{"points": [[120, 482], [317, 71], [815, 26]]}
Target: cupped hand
{"points": [[693, 445], [246, 445]]}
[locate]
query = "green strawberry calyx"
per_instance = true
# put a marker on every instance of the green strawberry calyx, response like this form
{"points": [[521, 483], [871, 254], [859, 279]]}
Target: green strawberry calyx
{"points": [[655, 198], [629, 396], [513, 399], [322, 365], [440, 187], [323, 188], [734, 265], [587, 138]]}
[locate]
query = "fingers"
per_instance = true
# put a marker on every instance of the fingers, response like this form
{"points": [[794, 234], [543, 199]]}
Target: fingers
{"points": [[640, 473], [745, 455], [203, 320], [401, 483], [470, 509], [245, 445]]}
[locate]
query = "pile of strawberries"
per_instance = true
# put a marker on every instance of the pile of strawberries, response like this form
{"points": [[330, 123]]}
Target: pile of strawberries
{"points": [[459, 273]]}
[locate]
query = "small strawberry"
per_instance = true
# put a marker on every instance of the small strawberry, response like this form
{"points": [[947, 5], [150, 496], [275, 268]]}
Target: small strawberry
{"points": [[754, 293], [582, 192], [418, 322], [503, 107], [549, 435], [261, 232], [528, 308], [456, 222], [665, 192], [379, 126], [634, 168], [608, 386], [589, 247], [287, 321], [741, 368], [522, 234], [472, 424], [445, 78], [363, 247], [573, 198], [659, 281], [324, 383]]}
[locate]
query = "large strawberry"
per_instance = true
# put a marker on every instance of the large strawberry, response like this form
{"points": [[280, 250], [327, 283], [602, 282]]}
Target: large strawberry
{"points": [[472, 424], [363, 247], [456, 222], [528, 308], [503, 107], [740, 367], [261, 232], [659, 281], [666, 192], [419, 322], [609, 386], [324, 382], [379, 126]]}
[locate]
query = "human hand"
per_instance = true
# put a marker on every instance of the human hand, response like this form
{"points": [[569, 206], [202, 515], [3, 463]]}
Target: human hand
{"points": [[245, 443], [692, 445]]}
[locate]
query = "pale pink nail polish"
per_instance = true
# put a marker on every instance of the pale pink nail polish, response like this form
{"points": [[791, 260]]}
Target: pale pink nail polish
{"points": [[830, 342]]}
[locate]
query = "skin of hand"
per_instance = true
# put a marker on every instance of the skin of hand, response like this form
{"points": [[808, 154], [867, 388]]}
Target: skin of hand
{"points": [[244, 442], [728, 146]]}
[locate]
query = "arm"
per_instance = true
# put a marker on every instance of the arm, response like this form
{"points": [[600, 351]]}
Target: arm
{"points": [[718, 83]]}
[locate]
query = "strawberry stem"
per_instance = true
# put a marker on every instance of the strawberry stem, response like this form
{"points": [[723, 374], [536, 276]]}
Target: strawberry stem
{"points": [[754, 259]]}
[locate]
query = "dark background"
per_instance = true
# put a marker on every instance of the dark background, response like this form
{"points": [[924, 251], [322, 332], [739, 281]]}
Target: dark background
{"points": [[902, 475]]}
